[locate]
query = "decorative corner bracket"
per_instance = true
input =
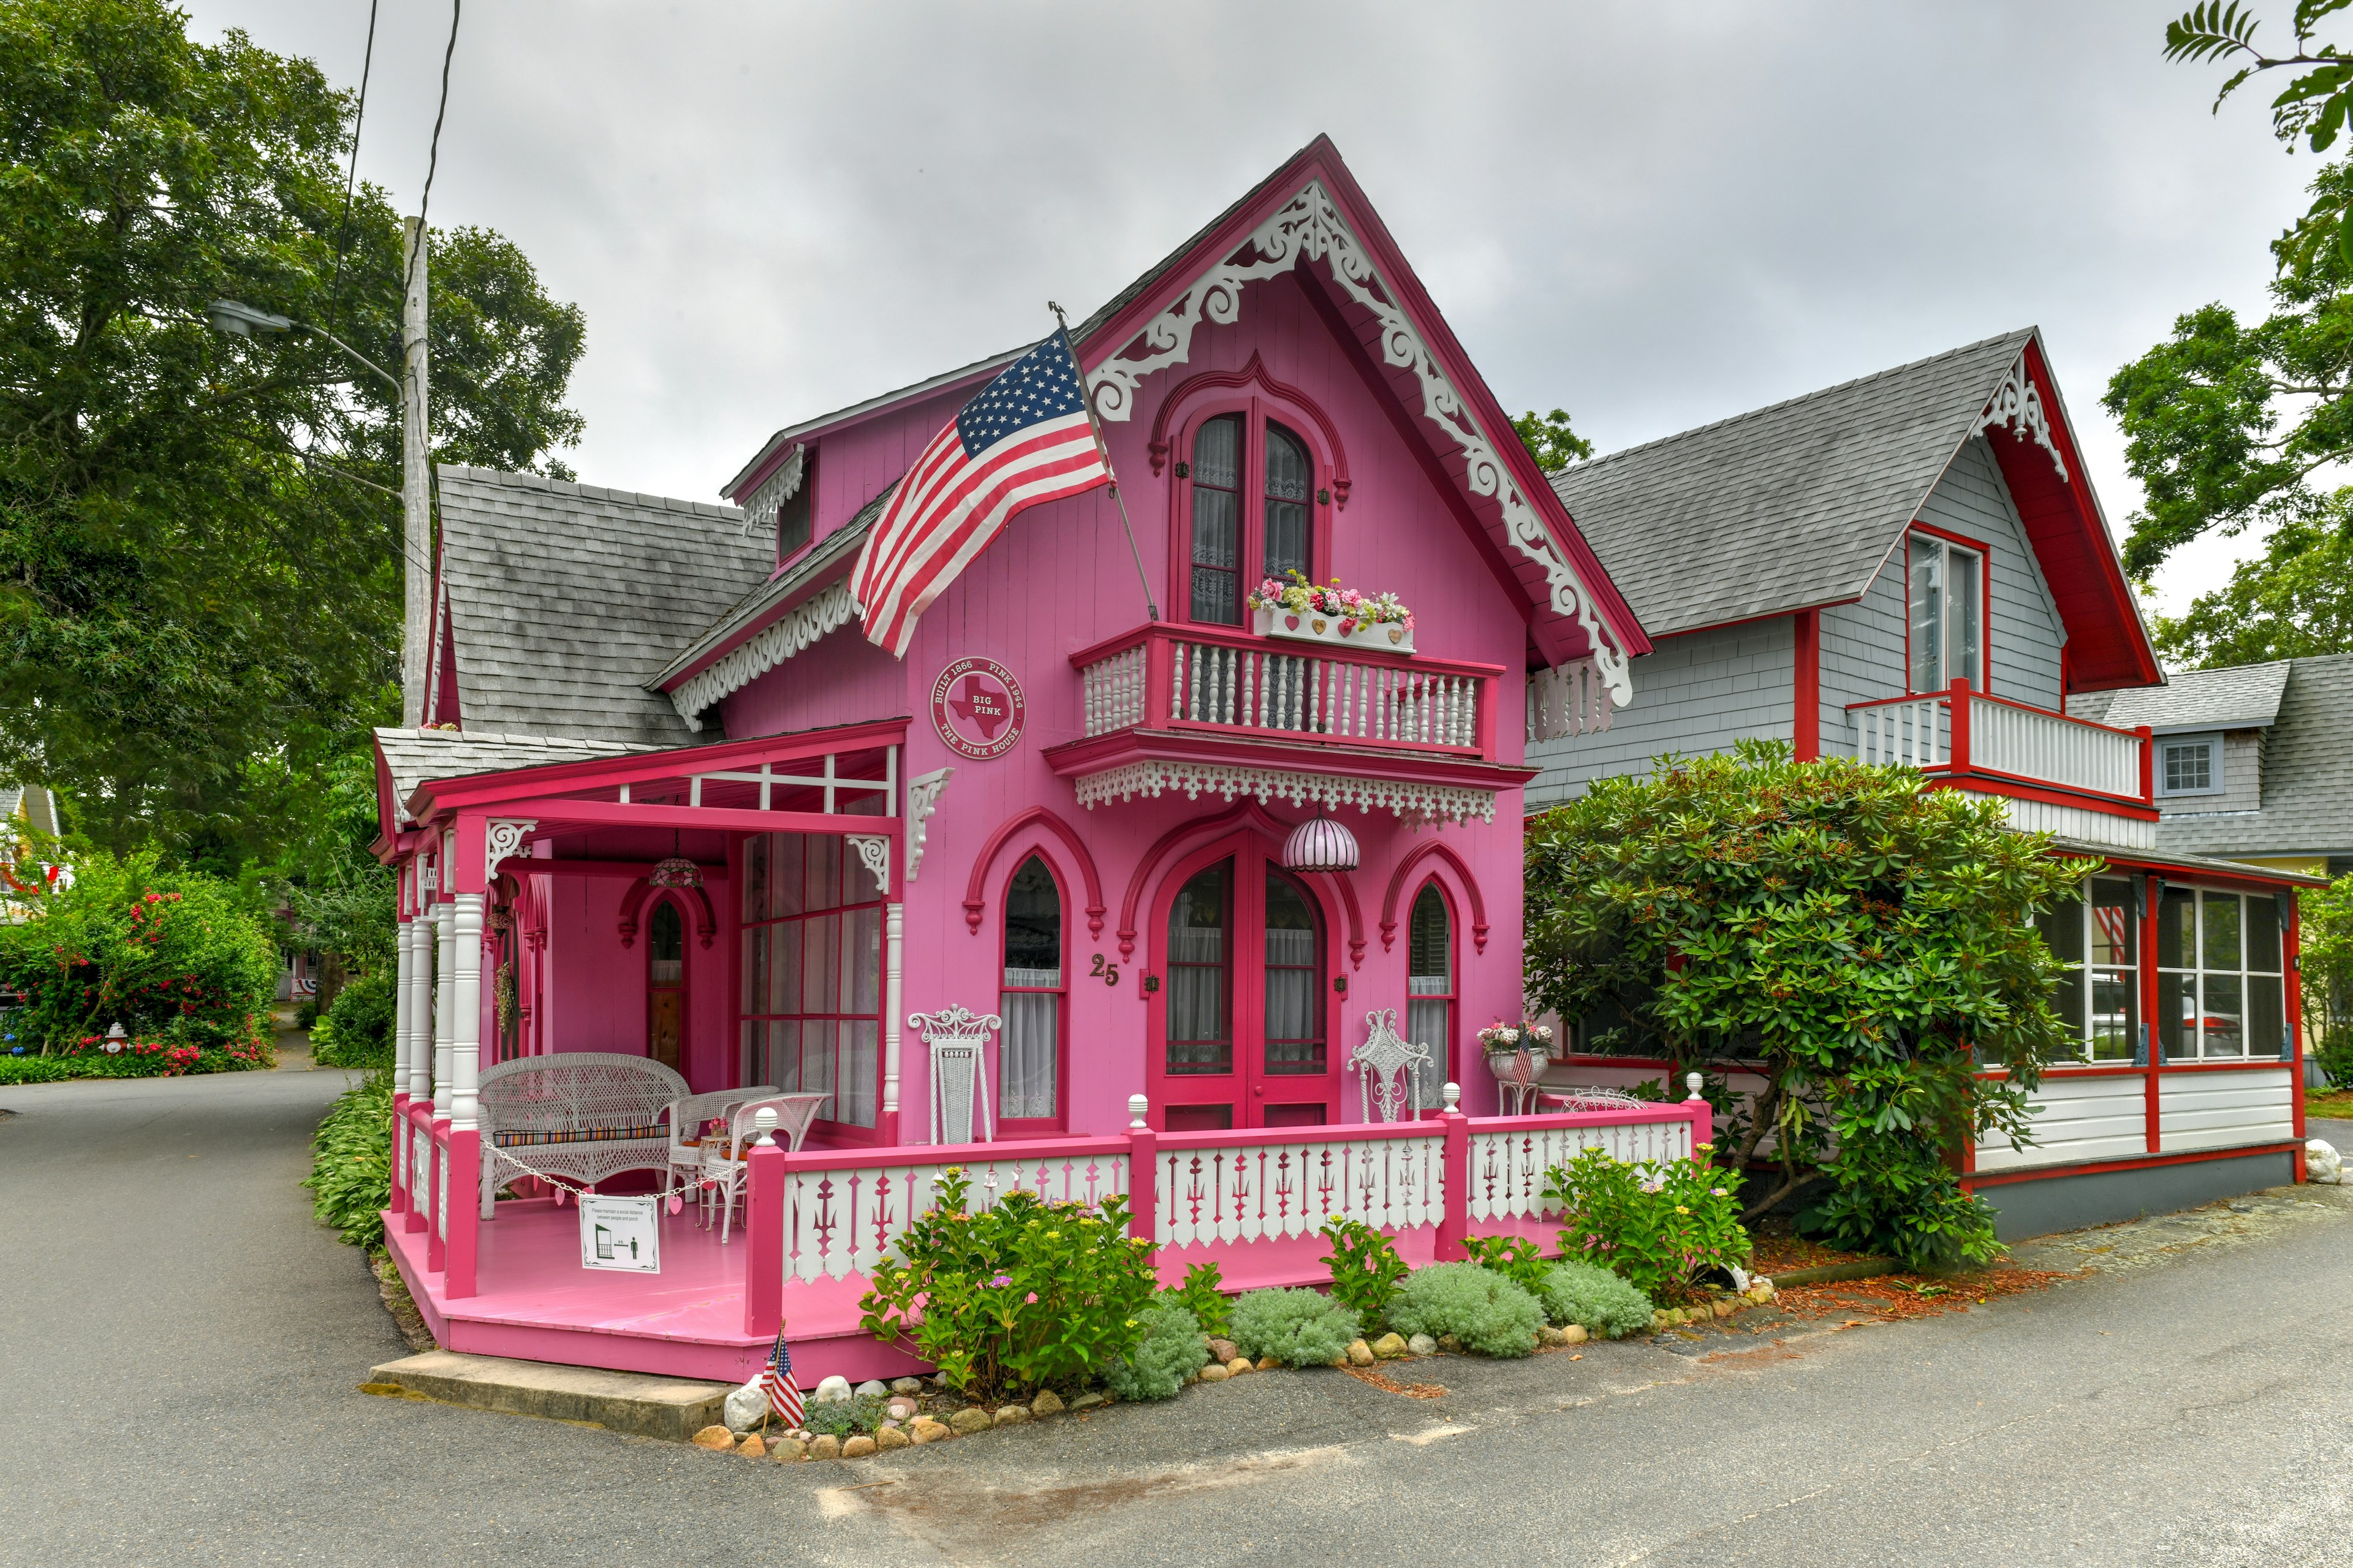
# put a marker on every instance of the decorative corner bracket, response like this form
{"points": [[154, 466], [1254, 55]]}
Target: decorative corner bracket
{"points": [[874, 854], [924, 792], [504, 837], [2017, 403]]}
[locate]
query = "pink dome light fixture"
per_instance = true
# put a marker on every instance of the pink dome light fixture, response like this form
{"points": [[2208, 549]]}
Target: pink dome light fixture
{"points": [[1319, 843]]}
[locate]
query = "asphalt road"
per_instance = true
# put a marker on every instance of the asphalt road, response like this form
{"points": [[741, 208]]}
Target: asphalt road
{"points": [[179, 1347]]}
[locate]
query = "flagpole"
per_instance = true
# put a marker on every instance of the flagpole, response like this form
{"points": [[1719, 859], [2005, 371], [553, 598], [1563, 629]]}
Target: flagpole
{"points": [[1087, 396]]}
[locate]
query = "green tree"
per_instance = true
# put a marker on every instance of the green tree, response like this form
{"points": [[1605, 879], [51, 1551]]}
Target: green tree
{"points": [[1550, 440], [2294, 600], [199, 537], [1856, 938]]}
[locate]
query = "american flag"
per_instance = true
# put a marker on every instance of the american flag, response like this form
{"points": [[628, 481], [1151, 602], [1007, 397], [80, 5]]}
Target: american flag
{"points": [[1027, 438], [777, 1382]]}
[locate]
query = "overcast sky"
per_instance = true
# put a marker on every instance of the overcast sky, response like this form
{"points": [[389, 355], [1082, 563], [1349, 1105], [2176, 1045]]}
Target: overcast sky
{"points": [[1652, 215]]}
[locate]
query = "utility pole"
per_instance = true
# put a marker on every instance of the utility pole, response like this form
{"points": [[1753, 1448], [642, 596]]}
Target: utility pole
{"points": [[416, 482]]}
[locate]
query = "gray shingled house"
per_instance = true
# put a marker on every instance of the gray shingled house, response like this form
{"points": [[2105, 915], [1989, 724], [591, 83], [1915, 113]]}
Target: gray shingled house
{"points": [[2254, 762], [1912, 568]]}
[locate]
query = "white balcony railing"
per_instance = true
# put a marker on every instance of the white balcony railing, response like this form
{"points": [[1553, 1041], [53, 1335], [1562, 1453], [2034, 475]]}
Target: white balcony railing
{"points": [[1963, 731]]}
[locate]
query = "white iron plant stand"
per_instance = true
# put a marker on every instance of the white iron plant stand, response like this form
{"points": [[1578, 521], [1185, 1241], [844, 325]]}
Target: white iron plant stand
{"points": [[1389, 1070], [959, 1040], [1516, 1073]]}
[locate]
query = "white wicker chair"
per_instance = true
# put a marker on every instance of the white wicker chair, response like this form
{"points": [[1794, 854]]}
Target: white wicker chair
{"points": [[686, 1119], [585, 1115], [723, 1161], [1389, 1070], [959, 1040]]}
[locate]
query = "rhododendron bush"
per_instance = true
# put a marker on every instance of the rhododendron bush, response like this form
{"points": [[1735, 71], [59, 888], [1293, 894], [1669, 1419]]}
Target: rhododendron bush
{"points": [[174, 957]]}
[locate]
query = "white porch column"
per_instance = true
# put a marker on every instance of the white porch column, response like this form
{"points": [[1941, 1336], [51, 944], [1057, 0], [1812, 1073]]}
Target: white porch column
{"points": [[893, 927], [403, 1008], [420, 1004], [466, 993], [445, 1002]]}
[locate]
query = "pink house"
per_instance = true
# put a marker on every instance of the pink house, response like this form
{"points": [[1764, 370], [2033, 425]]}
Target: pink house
{"points": [[673, 805]]}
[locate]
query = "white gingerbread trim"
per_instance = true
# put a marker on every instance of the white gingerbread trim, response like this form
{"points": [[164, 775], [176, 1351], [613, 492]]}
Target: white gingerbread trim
{"points": [[874, 854], [923, 793], [502, 836], [2017, 404], [1310, 228], [760, 507], [1414, 801], [828, 611]]}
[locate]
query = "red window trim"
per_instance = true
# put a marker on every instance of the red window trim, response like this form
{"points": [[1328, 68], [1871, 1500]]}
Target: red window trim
{"points": [[1030, 1126], [1258, 399], [1985, 604], [1450, 1069]]}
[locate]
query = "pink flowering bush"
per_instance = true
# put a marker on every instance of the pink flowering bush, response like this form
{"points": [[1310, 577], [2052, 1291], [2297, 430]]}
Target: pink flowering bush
{"points": [[1659, 1224]]}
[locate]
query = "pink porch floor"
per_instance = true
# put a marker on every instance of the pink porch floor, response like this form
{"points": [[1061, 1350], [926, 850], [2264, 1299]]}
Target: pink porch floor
{"points": [[534, 1302]]}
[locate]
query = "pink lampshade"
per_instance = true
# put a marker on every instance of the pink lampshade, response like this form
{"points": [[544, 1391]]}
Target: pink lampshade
{"points": [[1319, 843]]}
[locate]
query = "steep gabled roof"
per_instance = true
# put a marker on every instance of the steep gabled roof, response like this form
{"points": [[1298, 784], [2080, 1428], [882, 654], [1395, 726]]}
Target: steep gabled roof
{"points": [[565, 600], [2242, 697], [1787, 506], [2308, 779], [1803, 503]]}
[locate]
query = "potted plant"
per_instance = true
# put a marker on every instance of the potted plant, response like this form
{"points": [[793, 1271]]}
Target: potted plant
{"points": [[1509, 1057], [1292, 607]]}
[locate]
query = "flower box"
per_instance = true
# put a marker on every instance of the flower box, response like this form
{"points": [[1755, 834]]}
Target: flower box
{"points": [[1311, 626]]}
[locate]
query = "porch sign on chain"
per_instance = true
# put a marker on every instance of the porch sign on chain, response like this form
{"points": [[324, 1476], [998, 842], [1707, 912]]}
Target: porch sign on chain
{"points": [[620, 1233]]}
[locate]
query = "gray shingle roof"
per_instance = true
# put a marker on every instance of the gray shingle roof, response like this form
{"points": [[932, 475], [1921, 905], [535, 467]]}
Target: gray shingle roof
{"points": [[1785, 508], [2242, 697], [2307, 799], [837, 552], [567, 599], [415, 756]]}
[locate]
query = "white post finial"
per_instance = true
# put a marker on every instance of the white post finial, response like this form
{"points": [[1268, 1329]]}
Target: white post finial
{"points": [[1692, 1081], [1136, 1105], [764, 1126], [1451, 1095]]}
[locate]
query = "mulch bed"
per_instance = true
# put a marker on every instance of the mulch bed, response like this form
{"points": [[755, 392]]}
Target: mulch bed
{"points": [[1898, 1297], [1390, 1385]]}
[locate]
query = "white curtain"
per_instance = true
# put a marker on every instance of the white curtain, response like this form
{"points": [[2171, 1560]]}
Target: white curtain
{"points": [[1027, 1050]]}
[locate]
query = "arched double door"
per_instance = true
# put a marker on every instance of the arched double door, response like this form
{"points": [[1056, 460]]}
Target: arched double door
{"points": [[1241, 1032]]}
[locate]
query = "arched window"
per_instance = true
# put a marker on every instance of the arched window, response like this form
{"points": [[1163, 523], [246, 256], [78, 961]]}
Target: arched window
{"points": [[1200, 989], [1230, 548], [1430, 987], [1028, 1058], [1295, 1010], [665, 983]]}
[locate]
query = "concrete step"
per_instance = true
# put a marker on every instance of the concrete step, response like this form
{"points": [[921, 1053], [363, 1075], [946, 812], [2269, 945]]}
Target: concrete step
{"points": [[631, 1401]]}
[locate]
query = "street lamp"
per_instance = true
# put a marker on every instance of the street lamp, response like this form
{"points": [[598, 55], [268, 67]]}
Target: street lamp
{"points": [[235, 319]]}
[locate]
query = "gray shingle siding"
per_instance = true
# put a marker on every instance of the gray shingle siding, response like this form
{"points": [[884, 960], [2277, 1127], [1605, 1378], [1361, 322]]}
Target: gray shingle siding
{"points": [[1972, 501], [2306, 789], [1861, 657], [566, 599], [1695, 693]]}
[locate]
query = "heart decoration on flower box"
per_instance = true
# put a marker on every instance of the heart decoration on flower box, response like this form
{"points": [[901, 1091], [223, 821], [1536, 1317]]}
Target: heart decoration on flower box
{"points": [[1310, 613]]}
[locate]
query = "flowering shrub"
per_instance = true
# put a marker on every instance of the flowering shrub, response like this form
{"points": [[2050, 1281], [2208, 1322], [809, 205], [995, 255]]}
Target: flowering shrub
{"points": [[1596, 1299], [1298, 595], [1200, 1296], [1171, 1350], [1486, 1312], [1019, 1296], [1659, 1224], [170, 956], [1366, 1267], [1298, 1328]]}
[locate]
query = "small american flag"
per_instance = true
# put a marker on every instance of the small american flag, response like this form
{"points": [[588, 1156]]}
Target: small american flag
{"points": [[1027, 438], [777, 1382]]}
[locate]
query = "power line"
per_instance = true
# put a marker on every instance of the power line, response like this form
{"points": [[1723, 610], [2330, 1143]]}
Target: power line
{"points": [[351, 181]]}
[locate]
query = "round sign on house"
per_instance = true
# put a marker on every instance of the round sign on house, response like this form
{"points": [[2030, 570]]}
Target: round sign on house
{"points": [[976, 706]]}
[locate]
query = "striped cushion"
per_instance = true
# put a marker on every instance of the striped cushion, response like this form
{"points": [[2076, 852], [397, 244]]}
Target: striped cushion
{"points": [[522, 1140]]}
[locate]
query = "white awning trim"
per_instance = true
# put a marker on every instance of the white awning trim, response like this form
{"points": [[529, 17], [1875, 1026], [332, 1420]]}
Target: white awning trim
{"points": [[828, 611], [760, 507], [1414, 801]]}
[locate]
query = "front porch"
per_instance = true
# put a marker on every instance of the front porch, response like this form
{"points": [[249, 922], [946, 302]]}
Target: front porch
{"points": [[815, 1224]]}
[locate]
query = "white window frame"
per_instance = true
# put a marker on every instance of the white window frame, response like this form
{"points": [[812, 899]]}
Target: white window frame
{"points": [[2215, 782], [1919, 544]]}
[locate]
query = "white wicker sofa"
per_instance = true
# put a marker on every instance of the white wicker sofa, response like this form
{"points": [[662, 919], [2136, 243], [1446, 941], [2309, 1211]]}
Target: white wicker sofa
{"points": [[582, 1115]]}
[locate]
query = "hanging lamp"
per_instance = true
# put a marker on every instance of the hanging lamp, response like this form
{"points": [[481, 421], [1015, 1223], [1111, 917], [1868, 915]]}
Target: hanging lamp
{"points": [[676, 870], [1319, 843]]}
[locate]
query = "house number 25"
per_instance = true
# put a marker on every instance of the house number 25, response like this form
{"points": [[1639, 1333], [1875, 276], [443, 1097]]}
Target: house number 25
{"points": [[1107, 972]]}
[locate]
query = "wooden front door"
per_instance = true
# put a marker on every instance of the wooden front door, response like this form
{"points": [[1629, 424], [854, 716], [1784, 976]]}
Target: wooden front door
{"points": [[1240, 1023], [665, 983]]}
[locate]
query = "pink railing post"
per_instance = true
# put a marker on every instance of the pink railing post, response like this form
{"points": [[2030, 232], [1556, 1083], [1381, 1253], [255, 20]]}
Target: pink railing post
{"points": [[1455, 1162], [1143, 1169], [396, 1201], [764, 1223], [420, 1183], [464, 1211], [436, 1217]]}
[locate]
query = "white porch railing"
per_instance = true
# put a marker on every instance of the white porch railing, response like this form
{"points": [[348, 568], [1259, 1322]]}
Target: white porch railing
{"points": [[1906, 733], [843, 1213], [1961, 731]]}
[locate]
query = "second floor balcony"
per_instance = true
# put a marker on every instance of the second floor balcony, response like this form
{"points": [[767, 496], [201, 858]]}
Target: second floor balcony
{"points": [[1187, 706], [2073, 777]]}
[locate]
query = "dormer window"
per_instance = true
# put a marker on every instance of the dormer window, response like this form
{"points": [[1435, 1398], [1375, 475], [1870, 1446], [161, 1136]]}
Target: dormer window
{"points": [[2189, 764], [1252, 484], [1948, 632]]}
